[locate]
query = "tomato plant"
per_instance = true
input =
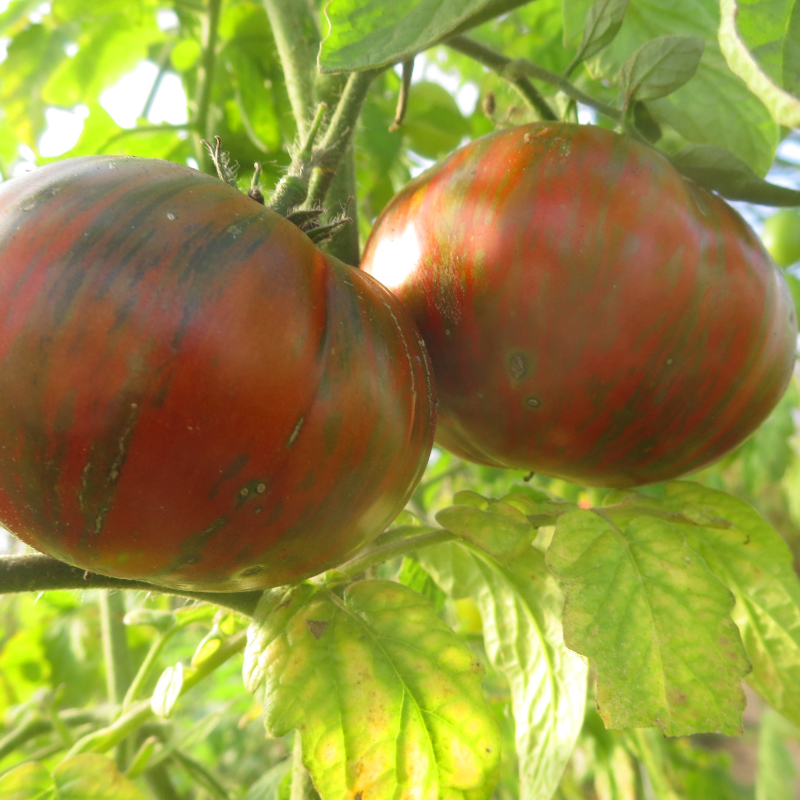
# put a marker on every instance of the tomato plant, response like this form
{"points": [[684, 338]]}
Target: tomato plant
{"points": [[192, 393], [590, 314], [197, 392]]}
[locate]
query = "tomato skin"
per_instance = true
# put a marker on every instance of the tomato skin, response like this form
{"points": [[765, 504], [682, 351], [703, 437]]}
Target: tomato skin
{"points": [[191, 393], [590, 314]]}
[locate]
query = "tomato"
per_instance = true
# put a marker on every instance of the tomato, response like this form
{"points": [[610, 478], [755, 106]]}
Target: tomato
{"points": [[590, 314], [191, 393], [782, 236]]}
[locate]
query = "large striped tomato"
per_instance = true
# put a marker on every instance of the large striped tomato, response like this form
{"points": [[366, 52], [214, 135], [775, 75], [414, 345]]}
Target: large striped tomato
{"points": [[589, 313], [191, 393]]}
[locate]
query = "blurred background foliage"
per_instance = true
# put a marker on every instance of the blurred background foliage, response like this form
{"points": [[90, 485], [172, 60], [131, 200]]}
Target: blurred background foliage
{"points": [[134, 77]]}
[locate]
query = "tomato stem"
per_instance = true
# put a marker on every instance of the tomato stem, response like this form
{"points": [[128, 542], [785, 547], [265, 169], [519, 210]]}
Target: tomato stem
{"points": [[206, 79], [499, 63], [338, 135]]}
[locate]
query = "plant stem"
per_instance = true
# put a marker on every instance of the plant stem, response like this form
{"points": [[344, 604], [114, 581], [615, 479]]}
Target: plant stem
{"points": [[116, 656], [338, 135], [39, 725], [160, 783], [345, 244], [297, 37], [115, 645], [206, 82], [521, 67], [201, 775], [103, 740], [301, 787], [377, 555], [147, 667], [163, 62], [659, 781], [38, 573], [499, 63]]}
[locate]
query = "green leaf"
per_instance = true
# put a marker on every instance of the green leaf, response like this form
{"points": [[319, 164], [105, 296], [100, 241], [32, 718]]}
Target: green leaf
{"points": [[756, 564], [715, 107], [520, 606], [185, 54], [27, 782], [784, 106], [254, 100], [92, 776], [654, 619], [167, 691], [721, 171], [602, 24], [661, 66], [497, 530], [434, 124], [267, 786], [466, 497], [374, 33], [386, 697], [776, 770]]}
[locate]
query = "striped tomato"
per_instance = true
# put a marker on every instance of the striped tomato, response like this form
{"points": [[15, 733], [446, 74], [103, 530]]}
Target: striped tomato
{"points": [[589, 313], [191, 393]]}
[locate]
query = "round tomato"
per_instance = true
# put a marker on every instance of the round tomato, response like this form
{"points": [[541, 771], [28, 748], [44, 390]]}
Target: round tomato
{"points": [[590, 314], [191, 393], [782, 236]]}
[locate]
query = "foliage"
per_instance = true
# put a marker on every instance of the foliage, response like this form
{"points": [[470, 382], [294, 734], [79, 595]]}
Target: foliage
{"points": [[509, 636]]}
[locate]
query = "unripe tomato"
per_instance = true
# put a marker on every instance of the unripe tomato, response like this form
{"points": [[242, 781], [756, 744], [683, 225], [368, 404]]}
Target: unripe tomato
{"points": [[782, 236], [590, 314], [191, 393]]}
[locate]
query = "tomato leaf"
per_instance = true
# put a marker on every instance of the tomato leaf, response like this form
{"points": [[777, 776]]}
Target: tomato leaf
{"points": [[603, 21], [784, 106], [92, 776], [386, 697], [498, 529], [29, 781], [660, 66], [721, 171], [167, 691], [716, 107], [434, 124], [520, 605], [752, 559], [374, 33], [654, 619]]}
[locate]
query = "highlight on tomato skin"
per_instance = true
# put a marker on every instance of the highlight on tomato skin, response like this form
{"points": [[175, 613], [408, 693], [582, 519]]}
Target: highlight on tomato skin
{"points": [[590, 314], [191, 393]]}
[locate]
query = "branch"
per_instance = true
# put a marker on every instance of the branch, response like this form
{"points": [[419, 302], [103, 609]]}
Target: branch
{"points": [[37, 573], [297, 37], [209, 63], [339, 135], [499, 63]]}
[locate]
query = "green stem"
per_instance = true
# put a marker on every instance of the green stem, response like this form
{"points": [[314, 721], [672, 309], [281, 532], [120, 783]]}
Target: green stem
{"points": [[206, 81], [338, 135], [116, 656], [402, 97], [297, 38], [38, 726], [115, 645], [521, 67], [292, 189], [163, 63], [659, 781], [301, 787], [499, 63], [377, 555], [103, 740], [345, 244], [146, 669], [38, 573]]}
